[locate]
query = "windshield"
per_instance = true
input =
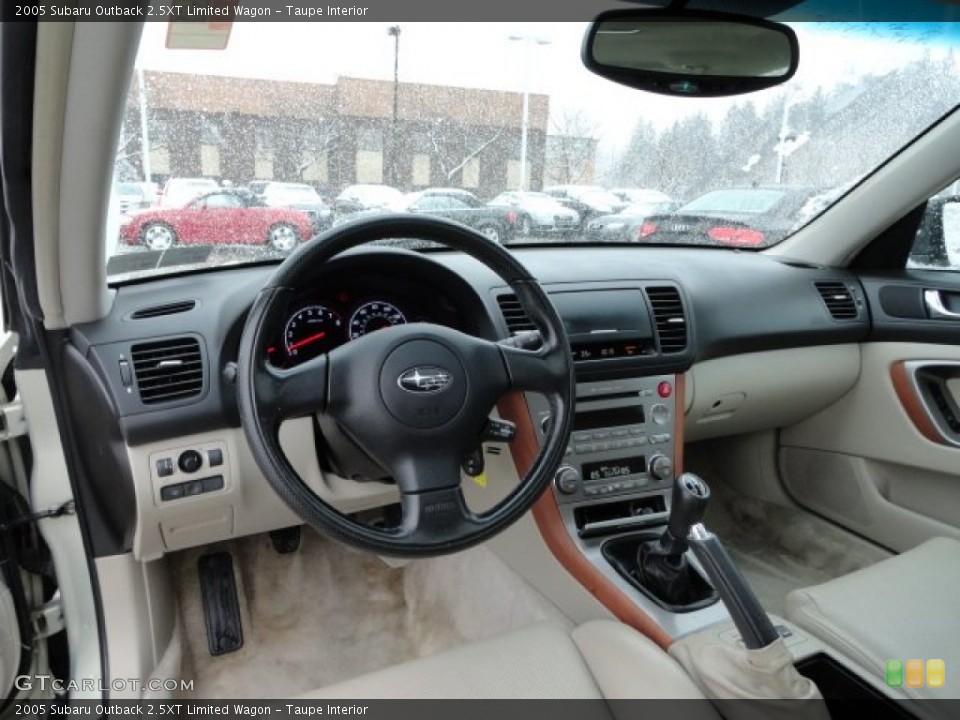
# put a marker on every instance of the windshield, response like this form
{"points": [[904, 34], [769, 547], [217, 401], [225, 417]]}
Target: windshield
{"points": [[316, 107]]}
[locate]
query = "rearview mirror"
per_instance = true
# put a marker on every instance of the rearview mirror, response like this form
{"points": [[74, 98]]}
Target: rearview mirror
{"points": [[690, 53]]}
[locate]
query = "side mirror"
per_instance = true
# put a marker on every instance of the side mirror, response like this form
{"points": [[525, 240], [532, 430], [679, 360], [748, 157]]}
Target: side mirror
{"points": [[690, 53], [938, 237]]}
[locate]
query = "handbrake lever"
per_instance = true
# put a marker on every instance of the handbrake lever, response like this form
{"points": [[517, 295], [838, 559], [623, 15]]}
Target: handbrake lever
{"points": [[748, 615]]}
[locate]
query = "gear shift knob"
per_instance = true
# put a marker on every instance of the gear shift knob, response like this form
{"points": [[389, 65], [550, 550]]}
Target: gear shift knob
{"points": [[688, 504]]}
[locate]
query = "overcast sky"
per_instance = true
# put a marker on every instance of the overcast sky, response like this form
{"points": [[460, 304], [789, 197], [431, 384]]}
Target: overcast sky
{"points": [[481, 55]]}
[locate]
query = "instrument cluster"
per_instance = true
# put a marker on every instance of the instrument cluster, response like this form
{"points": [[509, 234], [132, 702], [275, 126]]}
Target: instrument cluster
{"points": [[320, 320]]}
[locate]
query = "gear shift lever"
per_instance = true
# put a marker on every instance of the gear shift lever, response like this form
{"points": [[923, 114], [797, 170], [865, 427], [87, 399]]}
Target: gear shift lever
{"points": [[662, 563]]}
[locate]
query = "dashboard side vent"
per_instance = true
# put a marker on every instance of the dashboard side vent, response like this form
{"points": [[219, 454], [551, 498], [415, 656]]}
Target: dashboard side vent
{"points": [[514, 314], [160, 310], [669, 318], [839, 300], [168, 370]]}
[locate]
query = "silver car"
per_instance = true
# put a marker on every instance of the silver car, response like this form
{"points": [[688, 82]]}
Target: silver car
{"points": [[537, 213]]}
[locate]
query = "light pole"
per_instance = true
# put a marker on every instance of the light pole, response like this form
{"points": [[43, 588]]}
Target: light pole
{"points": [[528, 41], [144, 130], [394, 32]]}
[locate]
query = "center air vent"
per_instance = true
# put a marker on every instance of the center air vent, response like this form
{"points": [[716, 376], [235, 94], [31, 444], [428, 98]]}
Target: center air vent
{"points": [[838, 299], [669, 318], [160, 310], [514, 314], [168, 370]]}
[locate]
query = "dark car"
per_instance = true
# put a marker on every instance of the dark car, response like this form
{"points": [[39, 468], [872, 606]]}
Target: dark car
{"points": [[588, 201], [625, 225], [224, 217], [496, 223], [299, 196], [738, 217]]}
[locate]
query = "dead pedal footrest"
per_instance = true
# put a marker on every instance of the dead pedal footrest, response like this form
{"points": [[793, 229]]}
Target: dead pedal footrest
{"points": [[221, 610]]}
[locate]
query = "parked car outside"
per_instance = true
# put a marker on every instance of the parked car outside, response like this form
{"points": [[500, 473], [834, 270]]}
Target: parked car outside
{"points": [[738, 217], [588, 201], [636, 196], [134, 196], [625, 225], [179, 192], [497, 223], [257, 186], [358, 198], [537, 213], [224, 217], [299, 196]]}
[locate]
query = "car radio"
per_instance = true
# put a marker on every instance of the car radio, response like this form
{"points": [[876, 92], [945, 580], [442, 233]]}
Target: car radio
{"points": [[622, 438]]}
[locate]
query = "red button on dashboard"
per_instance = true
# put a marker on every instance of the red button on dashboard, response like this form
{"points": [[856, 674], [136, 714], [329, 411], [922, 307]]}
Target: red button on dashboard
{"points": [[664, 389]]}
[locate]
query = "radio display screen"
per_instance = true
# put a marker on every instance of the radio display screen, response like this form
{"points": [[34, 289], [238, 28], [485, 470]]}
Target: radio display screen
{"points": [[613, 469], [609, 417]]}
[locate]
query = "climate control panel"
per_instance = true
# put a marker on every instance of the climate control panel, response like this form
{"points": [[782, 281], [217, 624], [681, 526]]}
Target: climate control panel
{"points": [[622, 440]]}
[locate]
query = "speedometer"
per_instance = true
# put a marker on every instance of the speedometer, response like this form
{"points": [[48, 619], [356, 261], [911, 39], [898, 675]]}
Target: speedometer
{"points": [[312, 331], [374, 315]]}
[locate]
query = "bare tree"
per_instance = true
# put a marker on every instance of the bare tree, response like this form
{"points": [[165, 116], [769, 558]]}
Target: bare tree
{"points": [[452, 149], [571, 148]]}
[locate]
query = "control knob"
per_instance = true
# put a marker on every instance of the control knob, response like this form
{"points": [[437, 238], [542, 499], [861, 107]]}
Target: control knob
{"points": [[566, 479], [661, 468]]}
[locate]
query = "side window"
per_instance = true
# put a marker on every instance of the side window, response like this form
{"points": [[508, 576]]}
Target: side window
{"points": [[222, 200], [937, 245]]}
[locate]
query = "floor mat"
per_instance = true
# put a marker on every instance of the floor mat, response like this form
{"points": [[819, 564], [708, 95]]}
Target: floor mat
{"points": [[327, 613], [781, 549]]}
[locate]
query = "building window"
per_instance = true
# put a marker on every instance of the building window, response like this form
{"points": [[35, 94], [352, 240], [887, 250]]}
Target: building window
{"points": [[263, 155], [369, 166], [421, 170], [471, 173], [314, 166], [159, 161]]}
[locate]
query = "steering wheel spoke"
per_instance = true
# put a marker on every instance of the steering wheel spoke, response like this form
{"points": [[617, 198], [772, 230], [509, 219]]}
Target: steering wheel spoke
{"points": [[545, 371], [435, 516], [292, 392]]}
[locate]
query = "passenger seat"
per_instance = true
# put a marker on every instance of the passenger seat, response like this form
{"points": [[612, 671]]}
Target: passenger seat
{"points": [[904, 608]]}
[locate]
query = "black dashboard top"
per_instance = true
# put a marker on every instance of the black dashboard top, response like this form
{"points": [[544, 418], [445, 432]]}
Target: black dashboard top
{"points": [[729, 302]]}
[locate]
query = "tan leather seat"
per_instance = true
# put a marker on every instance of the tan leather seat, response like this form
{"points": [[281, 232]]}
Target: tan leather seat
{"points": [[899, 609], [600, 659]]}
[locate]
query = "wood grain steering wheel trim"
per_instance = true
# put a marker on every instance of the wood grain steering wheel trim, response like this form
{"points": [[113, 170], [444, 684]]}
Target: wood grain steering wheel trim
{"points": [[546, 514]]}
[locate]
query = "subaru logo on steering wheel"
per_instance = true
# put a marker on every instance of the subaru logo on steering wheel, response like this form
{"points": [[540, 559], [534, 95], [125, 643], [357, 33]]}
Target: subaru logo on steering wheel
{"points": [[425, 379]]}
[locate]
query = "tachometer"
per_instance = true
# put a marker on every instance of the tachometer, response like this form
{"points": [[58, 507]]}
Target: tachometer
{"points": [[312, 331], [374, 315]]}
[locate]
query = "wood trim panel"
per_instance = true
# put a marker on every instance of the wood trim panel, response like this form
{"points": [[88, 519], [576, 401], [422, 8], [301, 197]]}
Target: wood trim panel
{"points": [[546, 514], [912, 404]]}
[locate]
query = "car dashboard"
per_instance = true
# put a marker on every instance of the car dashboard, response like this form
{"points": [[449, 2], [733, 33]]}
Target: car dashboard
{"points": [[731, 342]]}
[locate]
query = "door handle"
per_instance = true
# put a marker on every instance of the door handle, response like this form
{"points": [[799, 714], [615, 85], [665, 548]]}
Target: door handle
{"points": [[936, 307]]}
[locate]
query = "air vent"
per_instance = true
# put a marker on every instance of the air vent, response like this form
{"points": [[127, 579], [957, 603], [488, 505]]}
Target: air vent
{"points": [[160, 310], [514, 314], [668, 315], [168, 370], [838, 299]]}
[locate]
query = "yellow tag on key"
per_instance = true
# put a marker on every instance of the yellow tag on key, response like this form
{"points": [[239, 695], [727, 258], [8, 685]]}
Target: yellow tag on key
{"points": [[481, 479]]}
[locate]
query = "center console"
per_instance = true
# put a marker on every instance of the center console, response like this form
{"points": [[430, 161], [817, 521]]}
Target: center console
{"points": [[619, 465]]}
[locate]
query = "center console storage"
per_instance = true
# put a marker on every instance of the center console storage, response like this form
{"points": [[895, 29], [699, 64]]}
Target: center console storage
{"points": [[846, 693]]}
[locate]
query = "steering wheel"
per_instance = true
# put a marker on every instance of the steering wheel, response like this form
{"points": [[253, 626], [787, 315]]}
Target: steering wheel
{"points": [[415, 398]]}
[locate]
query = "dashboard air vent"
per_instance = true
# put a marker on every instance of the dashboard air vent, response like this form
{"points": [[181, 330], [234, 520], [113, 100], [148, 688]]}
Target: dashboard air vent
{"points": [[669, 318], [168, 370], [167, 309], [514, 314], [838, 299]]}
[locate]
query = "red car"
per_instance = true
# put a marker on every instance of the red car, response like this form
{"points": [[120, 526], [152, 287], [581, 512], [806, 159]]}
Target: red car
{"points": [[224, 217]]}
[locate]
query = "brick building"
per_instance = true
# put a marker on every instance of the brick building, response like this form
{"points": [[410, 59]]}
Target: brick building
{"points": [[331, 136]]}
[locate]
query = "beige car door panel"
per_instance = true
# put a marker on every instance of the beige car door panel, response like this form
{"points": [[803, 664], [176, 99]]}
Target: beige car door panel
{"points": [[884, 460]]}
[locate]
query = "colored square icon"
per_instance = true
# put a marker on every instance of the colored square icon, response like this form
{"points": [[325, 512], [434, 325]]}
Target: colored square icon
{"points": [[915, 673], [894, 673], [936, 673]]}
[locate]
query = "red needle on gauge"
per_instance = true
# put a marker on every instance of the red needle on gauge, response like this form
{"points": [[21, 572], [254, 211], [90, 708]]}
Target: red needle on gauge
{"points": [[306, 341]]}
